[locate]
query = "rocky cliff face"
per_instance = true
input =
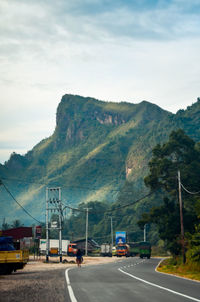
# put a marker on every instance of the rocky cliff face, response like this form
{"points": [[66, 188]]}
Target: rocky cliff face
{"points": [[76, 115]]}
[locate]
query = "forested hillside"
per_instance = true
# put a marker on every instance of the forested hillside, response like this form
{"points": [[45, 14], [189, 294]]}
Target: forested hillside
{"points": [[98, 152]]}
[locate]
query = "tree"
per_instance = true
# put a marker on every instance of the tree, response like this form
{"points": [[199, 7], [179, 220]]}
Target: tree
{"points": [[179, 153], [5, 225], [165, 217], [16, 223], [74, 227], [193, 252]]}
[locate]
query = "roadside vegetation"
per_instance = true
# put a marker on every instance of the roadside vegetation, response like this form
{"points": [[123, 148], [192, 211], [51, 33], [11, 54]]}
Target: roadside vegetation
{"points": [[180, 238], [174, 266]]}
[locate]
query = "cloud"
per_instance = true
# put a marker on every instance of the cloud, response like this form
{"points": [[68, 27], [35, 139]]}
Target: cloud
{"points": [[111, 50], [50, 33], [21, 137], [47, 21]]}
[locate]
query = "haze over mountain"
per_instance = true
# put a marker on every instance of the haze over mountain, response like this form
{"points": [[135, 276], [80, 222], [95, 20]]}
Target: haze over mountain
{"points": [[96, 148]]}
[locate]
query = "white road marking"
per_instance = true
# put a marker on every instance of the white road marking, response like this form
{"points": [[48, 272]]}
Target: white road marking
{"points": [[161, 287], [70, 290]]}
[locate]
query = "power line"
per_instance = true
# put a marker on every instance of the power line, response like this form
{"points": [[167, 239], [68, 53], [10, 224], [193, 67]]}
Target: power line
{"points": [[1, 183], [74, 209], [131, 203], [112, 210], [79, 210], [193, 193]]}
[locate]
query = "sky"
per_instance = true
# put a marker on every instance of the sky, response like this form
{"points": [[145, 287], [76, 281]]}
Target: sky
{"points": [[112, 50]]}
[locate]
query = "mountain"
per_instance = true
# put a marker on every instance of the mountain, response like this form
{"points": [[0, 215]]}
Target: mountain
{"points": [[96, 150]]}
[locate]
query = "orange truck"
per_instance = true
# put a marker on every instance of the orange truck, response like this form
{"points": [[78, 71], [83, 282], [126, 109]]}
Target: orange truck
{"points": [[123, 250], [68, 248], [72, 249]]}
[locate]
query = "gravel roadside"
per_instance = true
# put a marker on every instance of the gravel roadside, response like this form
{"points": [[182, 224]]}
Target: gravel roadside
{"points": [[27, 284]]}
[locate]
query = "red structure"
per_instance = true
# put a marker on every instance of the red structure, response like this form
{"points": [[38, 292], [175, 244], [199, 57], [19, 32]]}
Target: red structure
{"points": [[38, 232], [18, 233]]}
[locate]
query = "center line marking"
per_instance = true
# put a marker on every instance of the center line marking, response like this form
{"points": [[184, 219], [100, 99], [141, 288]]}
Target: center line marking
{"points": [[161, 287]]}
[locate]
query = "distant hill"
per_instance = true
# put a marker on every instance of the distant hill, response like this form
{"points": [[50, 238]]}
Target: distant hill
{"points": [[96, 150]]}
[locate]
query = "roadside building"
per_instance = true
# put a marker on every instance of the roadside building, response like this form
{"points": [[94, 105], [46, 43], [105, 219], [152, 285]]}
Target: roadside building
{"points": [[92, 245], [22, 236]]}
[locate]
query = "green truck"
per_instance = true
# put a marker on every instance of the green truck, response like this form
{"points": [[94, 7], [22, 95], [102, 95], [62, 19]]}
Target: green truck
{"points": [[141, 249], [145, 249]]}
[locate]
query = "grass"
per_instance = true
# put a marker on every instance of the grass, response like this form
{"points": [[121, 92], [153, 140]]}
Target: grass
{"points": [[175, 267]]}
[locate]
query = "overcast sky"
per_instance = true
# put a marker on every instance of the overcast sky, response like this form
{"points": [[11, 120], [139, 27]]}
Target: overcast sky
{"points": [[115, 50]]}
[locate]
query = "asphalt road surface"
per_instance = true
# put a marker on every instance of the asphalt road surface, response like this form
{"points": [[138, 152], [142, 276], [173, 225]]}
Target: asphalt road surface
{"points": [[131, 279]]}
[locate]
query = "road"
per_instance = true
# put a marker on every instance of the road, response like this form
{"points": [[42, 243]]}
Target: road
{"points": [[131, 279]]}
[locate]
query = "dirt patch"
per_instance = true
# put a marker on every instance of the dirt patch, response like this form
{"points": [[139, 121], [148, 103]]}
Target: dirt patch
{"points": [[39, 264]]}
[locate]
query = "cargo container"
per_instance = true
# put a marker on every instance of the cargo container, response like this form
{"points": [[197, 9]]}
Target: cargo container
{"points": [[53, 244], [106, 250], [134, 248]]}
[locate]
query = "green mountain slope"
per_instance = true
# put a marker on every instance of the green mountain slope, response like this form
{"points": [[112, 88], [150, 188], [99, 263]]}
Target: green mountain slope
{"points": [[96, 147]]}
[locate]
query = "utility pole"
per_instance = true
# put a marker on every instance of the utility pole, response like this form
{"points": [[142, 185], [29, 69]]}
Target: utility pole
{"points": [[86, 233], [111, 227], [47, 227], [53, 204], [181, 217], [60, 224], [145, 232]]}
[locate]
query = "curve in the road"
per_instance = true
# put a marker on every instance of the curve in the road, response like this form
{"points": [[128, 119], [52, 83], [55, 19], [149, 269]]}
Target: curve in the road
{"points": [[122, 270], [161, 287]]}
